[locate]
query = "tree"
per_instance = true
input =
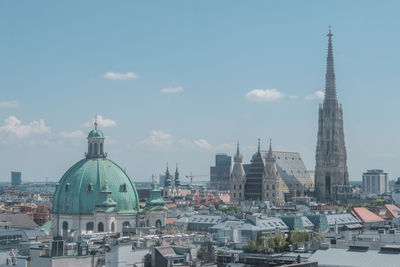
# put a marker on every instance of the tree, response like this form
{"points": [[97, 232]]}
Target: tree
{"points": [[206, 252]]}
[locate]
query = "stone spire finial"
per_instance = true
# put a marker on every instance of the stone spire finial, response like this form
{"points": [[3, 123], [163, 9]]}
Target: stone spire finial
{"points": [[258, 149], [270, 155], [238, 157], [330, 81]]}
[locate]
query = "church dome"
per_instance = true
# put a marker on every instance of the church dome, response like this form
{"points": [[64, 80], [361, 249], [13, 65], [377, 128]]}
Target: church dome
{"points": [[96, 133], [95, 183]]}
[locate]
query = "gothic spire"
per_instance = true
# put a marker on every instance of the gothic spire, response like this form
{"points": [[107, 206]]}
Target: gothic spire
{"points": [[270, 155], [330, 82], [238, 157], [258, 149], [167, 181]]}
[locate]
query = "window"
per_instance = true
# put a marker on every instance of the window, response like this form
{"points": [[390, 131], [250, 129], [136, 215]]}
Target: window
{"points": [[112, 227], [126, 225], [234, 194], [100, 227], [240, 186], [123, 188], [90, 187], [273, 187], [64, 228], [67, 187], [89, 226], [234, 186], [240, 195], [267, 187]]}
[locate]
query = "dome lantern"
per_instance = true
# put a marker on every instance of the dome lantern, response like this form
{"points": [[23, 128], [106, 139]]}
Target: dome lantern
{"points": [[95, 143]]}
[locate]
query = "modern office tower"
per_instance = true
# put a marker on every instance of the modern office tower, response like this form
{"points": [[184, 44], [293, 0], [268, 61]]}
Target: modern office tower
{"points": [[375, 182], [16, 178], [220, 173]]}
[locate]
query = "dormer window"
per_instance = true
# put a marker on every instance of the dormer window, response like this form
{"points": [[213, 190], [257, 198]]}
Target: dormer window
{"points": [[90, 187], [123, 188], [66, 187]]}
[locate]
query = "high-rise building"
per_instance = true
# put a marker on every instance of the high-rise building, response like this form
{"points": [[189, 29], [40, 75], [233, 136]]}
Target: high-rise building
{"points": [[16, 178], [375, 182], [331, 167], [220, 173]]}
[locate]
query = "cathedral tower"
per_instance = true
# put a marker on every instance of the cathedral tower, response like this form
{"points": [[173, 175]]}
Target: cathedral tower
{"points": [[331, 166], [238, 178], [271, 178]]}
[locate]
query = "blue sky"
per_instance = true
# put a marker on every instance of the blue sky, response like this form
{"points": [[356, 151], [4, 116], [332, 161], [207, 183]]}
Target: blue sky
{"points": [[170, 80]]}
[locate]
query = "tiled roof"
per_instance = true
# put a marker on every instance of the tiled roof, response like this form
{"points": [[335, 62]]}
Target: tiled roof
{"points": [[365, 215]]}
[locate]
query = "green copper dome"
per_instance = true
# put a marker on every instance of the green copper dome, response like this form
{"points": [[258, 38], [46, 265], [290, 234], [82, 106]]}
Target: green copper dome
{"points": [[89, 183], [96, 133]]}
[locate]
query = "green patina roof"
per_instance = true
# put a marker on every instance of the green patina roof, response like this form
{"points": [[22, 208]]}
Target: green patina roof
{"points": [[155, 200], [81, 189], [96, 133]]}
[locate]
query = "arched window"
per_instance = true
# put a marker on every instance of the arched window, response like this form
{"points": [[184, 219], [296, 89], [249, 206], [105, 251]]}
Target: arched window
{"points": [[66, 187], [126, 225], [240, 186], [240, 195], [89, 226], [100, 227], [64, 228], [273, 187], [112, 227], [234, 194], [234, 187], [101, 148], [267, 187], [158, 224], [96, 149]]}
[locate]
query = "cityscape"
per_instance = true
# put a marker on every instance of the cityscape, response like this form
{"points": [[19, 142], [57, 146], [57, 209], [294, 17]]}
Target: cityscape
{"points": [[105, 194]]}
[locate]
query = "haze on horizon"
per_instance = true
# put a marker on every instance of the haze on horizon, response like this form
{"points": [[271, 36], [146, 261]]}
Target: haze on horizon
{"points": [[184, 80]]}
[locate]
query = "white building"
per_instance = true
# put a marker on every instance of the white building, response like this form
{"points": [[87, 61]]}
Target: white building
{"points": [[375, 182]]}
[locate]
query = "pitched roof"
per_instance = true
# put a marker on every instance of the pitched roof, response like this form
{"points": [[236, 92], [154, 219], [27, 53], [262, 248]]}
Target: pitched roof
{"points": [[365, 215], [389, 211], [18, 220]]}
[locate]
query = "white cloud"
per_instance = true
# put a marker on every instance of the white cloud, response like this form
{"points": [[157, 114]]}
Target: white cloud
{"points": [[316, 96], [102, 122], [170, 90], [293, 97], [9, 104], [13, 125], [263, 95], [120, 76], [203, 144], [73, 134], [158, 138]]}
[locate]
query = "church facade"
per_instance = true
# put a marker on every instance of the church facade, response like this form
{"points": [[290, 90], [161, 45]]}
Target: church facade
{"points": [[272, 176], [331, 161]]}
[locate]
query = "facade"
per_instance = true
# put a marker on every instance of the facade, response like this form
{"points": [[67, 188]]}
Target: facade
{"points": [[156, 211], [375, 182], [94, 195], [331, 159], [171, 187], [238, 178], [16, 178], [276, 176], [221, 172]]}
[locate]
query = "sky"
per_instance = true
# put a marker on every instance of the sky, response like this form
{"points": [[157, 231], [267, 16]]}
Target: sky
{"points": [[179, 81]]}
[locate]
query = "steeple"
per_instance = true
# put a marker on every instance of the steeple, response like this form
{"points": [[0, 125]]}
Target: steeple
{"points": [[258, 149], [167, 181], [270, 155], [238, 157], [177, 181], [95, 143], [330, 81]]}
